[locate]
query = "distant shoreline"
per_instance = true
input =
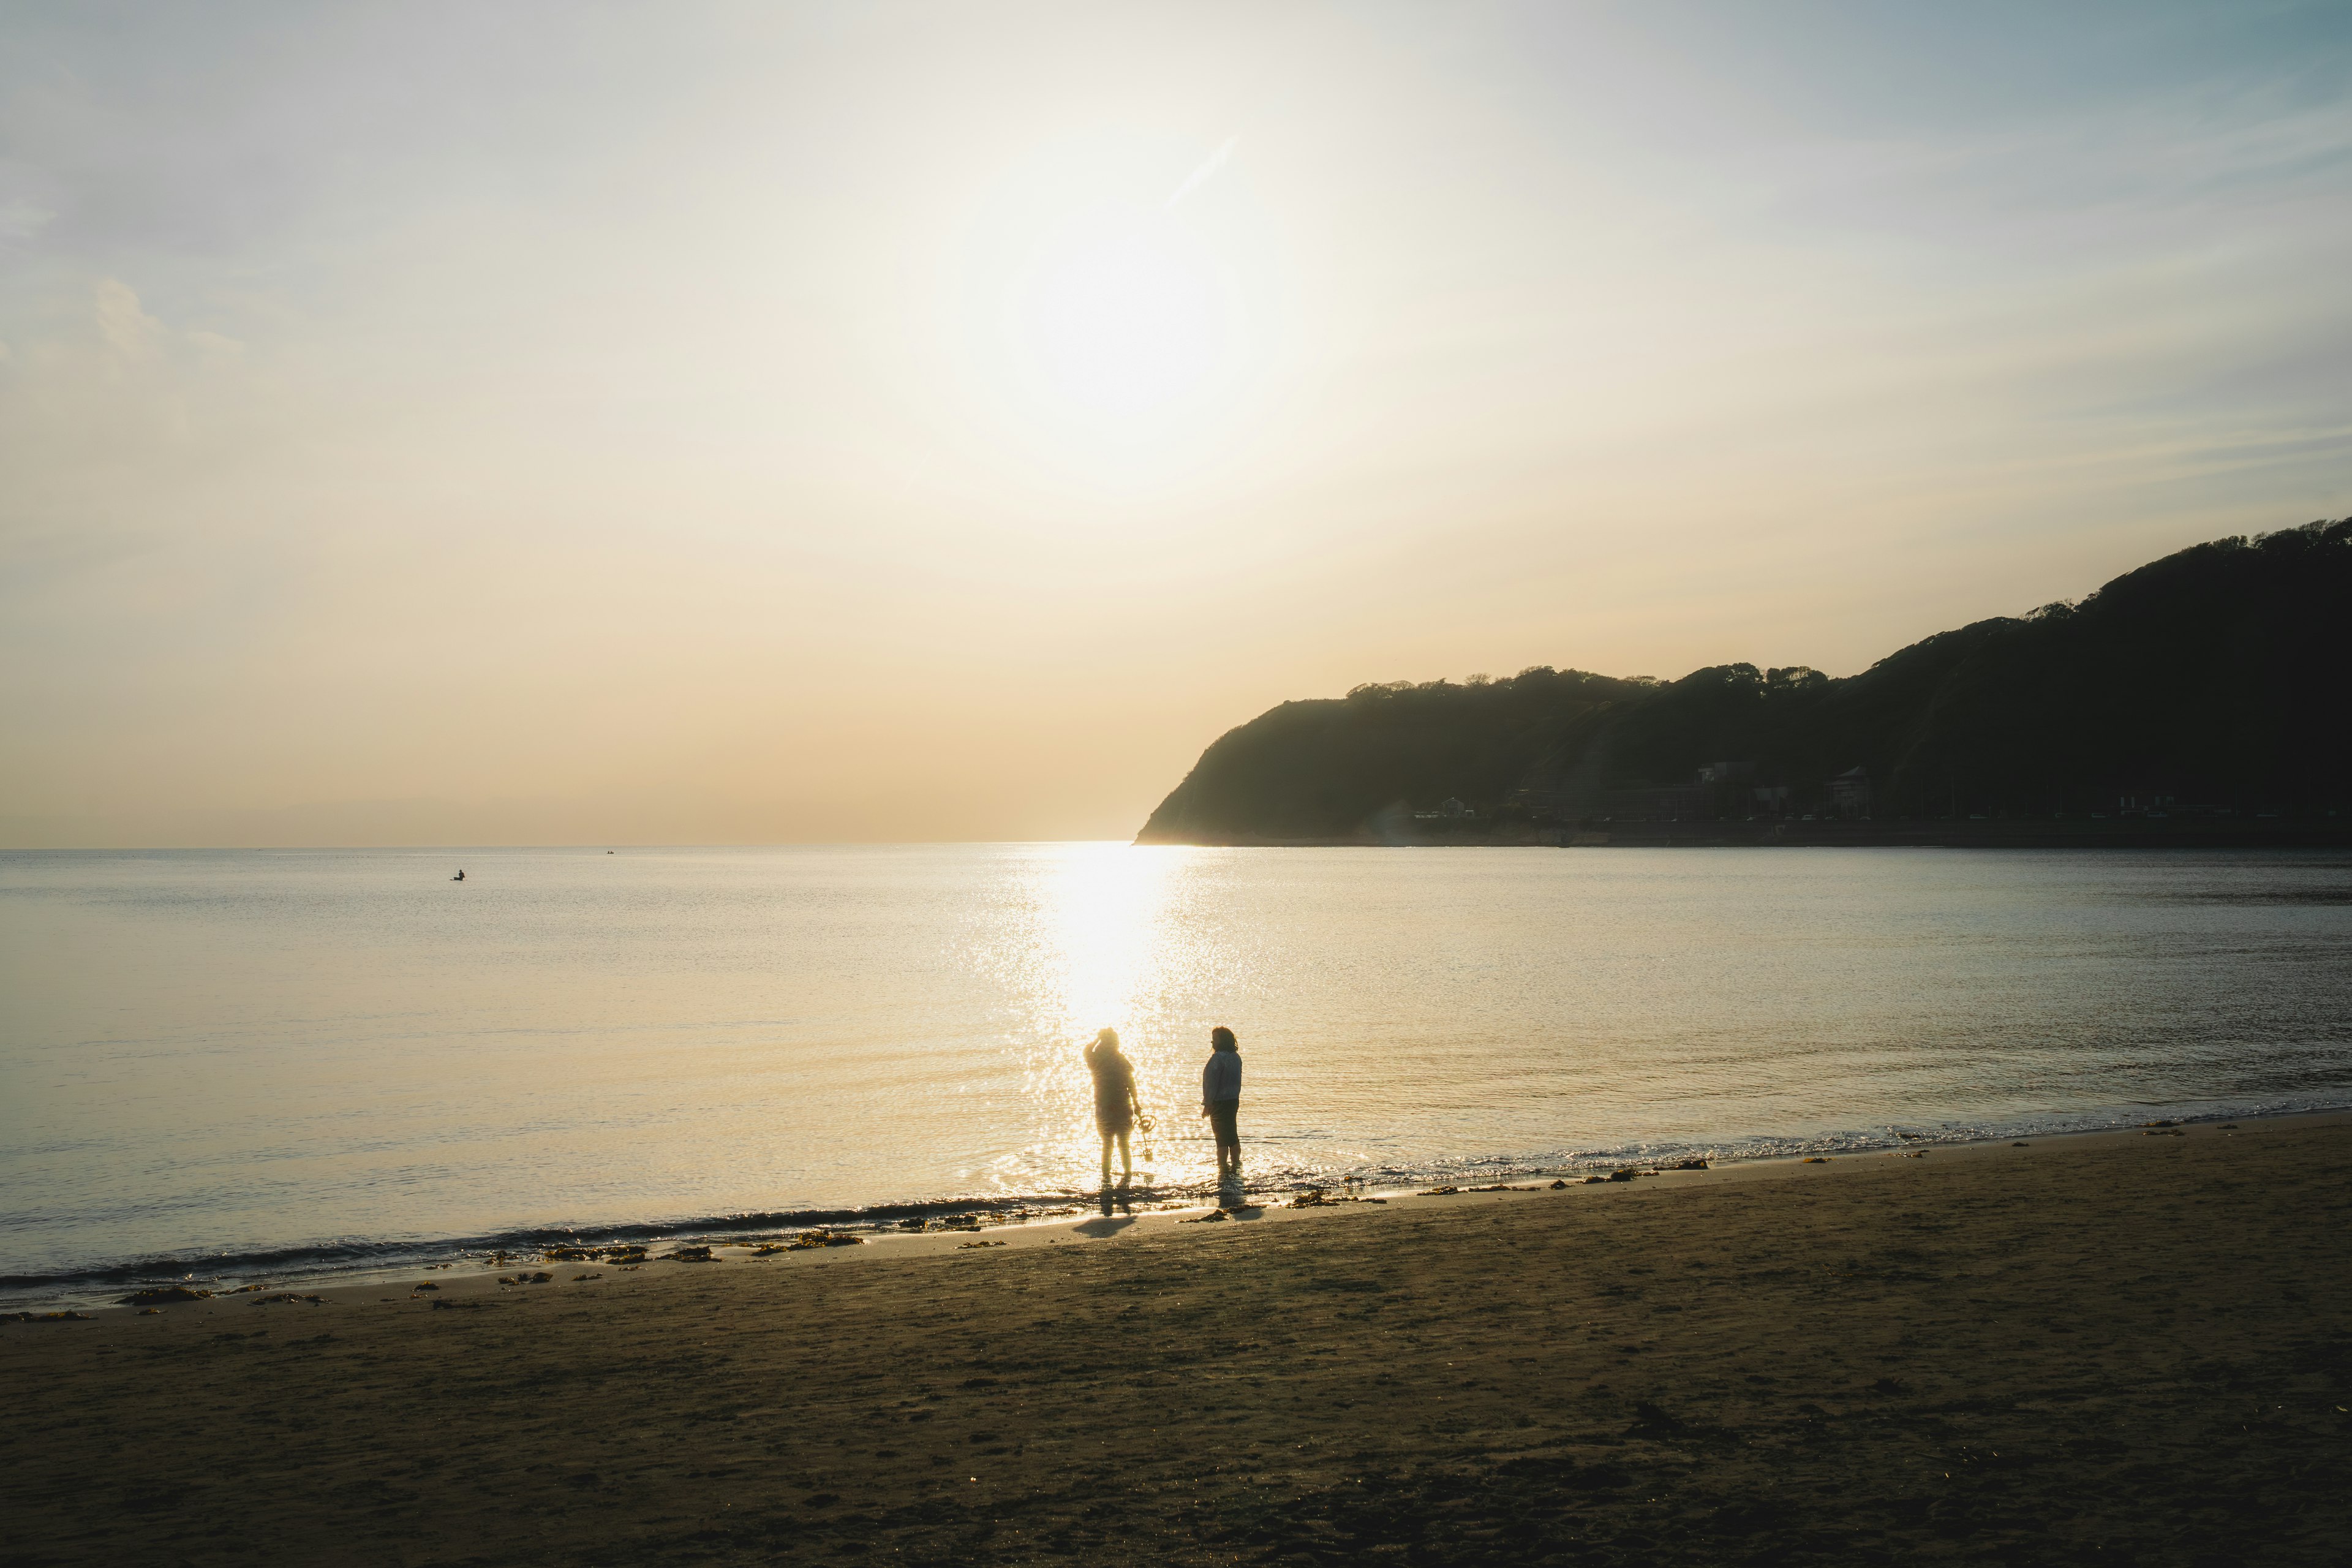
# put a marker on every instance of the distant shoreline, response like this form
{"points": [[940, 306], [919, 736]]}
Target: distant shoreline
{"points": [[2012, 833]]}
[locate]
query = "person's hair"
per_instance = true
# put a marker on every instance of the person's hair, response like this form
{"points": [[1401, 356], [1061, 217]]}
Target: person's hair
{"points": [[1223, 1039]]}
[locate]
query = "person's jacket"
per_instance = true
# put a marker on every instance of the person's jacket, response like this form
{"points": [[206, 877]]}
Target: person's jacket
{"points": [[1114, 1079], [1221, 1080]]}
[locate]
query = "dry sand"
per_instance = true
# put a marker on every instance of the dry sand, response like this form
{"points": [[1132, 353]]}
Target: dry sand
{"points": [[2120, 1349]]}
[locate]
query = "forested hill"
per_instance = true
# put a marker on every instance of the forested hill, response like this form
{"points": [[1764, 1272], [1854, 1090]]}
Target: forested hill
{"points": [[2213, 682]]}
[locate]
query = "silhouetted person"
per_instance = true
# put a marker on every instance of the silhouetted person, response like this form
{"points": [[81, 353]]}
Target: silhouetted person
{"points": [[460, 875], [1221, 1100], [1116, 1107]]}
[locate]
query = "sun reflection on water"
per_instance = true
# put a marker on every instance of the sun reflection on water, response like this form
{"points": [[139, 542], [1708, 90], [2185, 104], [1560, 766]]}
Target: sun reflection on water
{"points": [[589, 1040], [1103, 947]]}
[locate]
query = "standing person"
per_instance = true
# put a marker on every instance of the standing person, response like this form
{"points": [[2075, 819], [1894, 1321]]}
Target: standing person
{"points": [[1221, 1100], [1116, 1107]]}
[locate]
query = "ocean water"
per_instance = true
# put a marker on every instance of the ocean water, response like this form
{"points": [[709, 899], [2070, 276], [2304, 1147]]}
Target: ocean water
{"points": [[226, 1065]]}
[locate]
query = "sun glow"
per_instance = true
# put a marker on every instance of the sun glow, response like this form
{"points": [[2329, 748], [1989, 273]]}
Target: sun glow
{"points": [[1114, 298], [1122, 314]]}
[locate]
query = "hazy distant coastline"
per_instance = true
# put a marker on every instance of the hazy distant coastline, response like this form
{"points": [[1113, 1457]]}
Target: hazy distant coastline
{"points": [[1794, 832], [2193, 702]]}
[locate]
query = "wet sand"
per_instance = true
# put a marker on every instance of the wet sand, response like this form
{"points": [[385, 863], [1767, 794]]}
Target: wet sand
{"points": [[2116, 1348]]}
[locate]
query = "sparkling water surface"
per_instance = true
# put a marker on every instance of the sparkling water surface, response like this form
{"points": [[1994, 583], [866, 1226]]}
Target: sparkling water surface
{"points": [[225, 1062]]}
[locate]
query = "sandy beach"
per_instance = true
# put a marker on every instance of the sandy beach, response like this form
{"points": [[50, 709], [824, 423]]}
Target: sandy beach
{"points": [[2131, 1348]]}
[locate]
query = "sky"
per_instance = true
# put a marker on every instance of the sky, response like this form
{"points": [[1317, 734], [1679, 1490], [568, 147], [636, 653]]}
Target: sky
{"points": [[755, 423]]}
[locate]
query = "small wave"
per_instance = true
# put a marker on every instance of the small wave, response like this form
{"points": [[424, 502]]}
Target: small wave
{"points": [[361, 1260], [356, 1261]]}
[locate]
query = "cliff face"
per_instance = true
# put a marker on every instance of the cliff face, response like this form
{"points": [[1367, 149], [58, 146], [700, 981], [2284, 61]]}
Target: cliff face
{"points": [[2214, 679], [1347, 767]]}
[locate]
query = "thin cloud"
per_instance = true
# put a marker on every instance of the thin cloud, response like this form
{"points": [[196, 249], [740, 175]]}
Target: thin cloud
{"points": [[1200, 176], [126, 327], [20, 220]]}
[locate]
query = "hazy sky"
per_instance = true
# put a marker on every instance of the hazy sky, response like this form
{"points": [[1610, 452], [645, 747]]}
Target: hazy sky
{"points": [[696, 422]]}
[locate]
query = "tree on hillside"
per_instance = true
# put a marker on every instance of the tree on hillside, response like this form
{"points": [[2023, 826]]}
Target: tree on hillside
{"points": [[2214, 675]]}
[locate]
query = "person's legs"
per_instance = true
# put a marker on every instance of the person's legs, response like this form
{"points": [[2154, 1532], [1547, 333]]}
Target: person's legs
{"points": [[1125, 1160], [1106, 1138], [1221, 1118]]}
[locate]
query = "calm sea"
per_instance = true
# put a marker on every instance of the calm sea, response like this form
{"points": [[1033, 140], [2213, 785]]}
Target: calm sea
{"points": [[276, 1064]]}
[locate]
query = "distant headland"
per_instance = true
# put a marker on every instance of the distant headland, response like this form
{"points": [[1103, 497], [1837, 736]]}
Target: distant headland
{"points": [[2200, 700]]}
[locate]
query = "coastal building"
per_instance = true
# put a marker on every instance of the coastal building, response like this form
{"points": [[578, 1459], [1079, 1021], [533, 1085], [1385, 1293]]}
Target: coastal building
{"points": [[1850, 792], [1662, 802], [1716, 792]]}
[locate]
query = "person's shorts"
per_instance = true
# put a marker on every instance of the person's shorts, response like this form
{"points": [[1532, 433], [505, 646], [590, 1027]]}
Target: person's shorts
{"points": [[1220, 1121], [1111, 1123]]}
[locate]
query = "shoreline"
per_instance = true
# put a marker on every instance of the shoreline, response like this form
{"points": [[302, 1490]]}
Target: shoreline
{"points": [[469, 1273], [2130, 1345], [1788, 833]]}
